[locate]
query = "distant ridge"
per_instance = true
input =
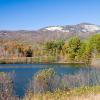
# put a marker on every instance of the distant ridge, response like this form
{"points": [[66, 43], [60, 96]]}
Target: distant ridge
{"points": [[83, 30]]}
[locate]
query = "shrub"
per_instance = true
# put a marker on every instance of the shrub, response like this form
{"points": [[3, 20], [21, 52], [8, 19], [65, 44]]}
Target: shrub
{"points": [[45, 80], [6, 87]]}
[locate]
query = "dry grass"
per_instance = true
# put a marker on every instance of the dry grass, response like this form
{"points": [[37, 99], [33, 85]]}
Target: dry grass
{"points": [[86, 93]]}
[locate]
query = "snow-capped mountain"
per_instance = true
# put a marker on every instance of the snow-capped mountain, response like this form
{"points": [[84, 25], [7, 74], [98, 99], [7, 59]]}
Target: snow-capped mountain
{"points": [[79, 28], [83, 30]]}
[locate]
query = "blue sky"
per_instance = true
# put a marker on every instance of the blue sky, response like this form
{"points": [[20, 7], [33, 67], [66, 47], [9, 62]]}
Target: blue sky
{"points": [[35, 14]]}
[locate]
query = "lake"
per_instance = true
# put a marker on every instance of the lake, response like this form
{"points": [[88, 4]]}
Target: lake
{"points": [[23, 73]]}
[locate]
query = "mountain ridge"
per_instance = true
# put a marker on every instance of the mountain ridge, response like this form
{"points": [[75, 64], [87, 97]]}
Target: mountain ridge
{"points": [[83, 30]]}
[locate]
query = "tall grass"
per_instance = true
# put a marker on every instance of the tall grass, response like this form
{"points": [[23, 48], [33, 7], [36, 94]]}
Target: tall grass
{"points": [[6, 87], [48, 85], [49, 80]]}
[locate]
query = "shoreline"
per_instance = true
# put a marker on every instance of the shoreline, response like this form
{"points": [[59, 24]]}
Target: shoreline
{"points": [[44, 63], [32, 60], [95, 62]]}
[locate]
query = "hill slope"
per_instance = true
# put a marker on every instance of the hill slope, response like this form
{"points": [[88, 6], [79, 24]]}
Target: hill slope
{"points": [[82, 30]]}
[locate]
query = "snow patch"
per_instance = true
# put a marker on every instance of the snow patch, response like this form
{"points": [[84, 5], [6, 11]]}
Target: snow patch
{"points": [[91, 28], [84, 30], [65, 31], [58, 28]]}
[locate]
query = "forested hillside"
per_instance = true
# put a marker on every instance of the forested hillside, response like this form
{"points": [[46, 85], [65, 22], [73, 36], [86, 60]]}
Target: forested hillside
{"points": [[72, 49]]}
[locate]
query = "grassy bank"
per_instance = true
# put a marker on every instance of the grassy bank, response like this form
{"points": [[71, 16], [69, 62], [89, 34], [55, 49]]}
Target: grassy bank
{"points": [[43, 59], [83, 93], [48, 85]]}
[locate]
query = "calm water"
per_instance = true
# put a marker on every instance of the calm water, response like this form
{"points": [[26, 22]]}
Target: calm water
{"points": [[24, 72]]}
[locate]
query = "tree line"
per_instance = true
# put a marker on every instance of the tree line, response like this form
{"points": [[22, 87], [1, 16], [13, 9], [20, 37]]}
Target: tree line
{"points": [[75, 48], [61, 50]]}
